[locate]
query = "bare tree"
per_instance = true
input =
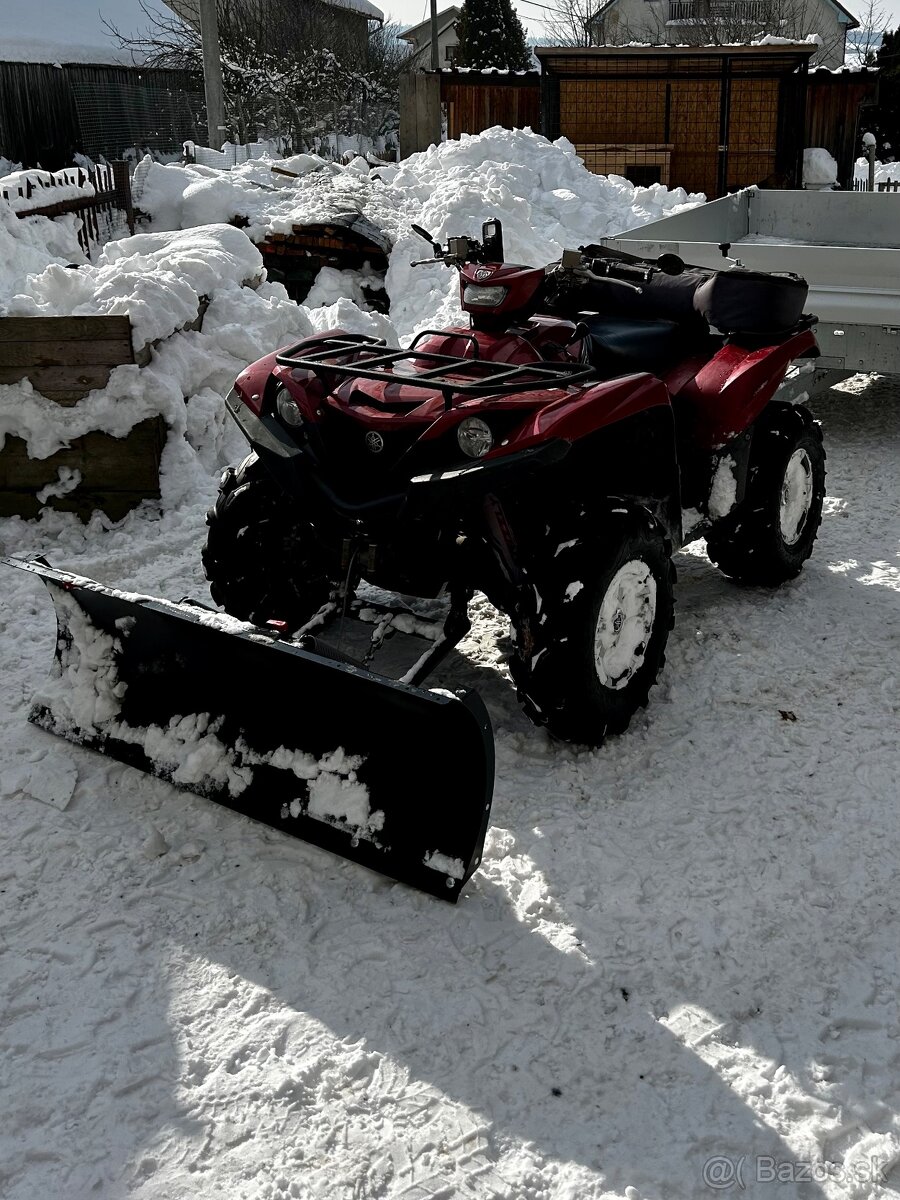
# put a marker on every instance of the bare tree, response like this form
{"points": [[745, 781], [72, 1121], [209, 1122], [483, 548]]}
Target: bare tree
{"points": [[295, 70], [874, 22], [569, 22]]}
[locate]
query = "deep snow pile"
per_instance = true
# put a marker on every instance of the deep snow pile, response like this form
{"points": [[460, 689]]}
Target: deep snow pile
{"points": [[28, 246], [158, 281], [541, 191], [155, 279]]}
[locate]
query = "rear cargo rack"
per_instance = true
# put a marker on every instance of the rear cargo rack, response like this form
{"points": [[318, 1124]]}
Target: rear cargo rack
{"points": [[359, 356]]}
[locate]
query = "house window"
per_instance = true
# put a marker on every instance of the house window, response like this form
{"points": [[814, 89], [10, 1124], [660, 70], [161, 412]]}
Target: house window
{"points": [[450, 54]]}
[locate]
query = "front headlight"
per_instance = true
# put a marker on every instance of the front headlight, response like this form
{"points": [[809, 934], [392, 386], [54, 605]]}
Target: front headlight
{"points": [[484, 297], [474, 437], [287, 407]]}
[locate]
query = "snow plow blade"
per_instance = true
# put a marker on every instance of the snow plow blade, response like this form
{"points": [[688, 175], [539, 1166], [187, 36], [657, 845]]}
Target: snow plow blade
{"points": [[394, 777]]}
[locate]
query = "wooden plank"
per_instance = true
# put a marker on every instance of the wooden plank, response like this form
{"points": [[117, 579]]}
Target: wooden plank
{"points": [[69, 329], [65, 385], [83, 503], [63, 353], [107, 464]]}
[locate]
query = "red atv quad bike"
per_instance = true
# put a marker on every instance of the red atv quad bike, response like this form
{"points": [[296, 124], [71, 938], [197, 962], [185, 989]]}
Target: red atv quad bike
{"points": [[553, 455]]}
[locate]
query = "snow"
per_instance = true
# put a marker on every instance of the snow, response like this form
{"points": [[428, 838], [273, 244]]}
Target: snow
{"points": [[820, 169], [723, 492], [444, 864], [884, 172], [47, 187], [546, 197], [679, 956], [332, 285]]}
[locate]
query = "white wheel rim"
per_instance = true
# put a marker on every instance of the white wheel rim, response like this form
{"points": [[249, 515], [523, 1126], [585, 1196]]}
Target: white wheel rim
{"points": [[625, 624], [796, 496]]}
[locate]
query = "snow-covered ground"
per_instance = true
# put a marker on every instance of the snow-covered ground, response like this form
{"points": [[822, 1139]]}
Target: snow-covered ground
{"points": [[680, 947], [678, 960]]}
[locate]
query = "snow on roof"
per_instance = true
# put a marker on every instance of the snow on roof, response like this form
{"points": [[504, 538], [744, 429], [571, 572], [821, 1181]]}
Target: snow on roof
{"points": [[360, 6], [69, 31], [637, 48]]}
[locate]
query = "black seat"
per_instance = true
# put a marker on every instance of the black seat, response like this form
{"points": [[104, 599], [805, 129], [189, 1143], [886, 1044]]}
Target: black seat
{"points": [[624, 345]]}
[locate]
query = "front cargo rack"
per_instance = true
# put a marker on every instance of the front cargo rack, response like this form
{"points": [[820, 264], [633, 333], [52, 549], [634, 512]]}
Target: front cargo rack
{"points": [[359, 356]]}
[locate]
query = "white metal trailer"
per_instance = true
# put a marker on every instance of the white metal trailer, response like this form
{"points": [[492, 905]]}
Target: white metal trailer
{"points": [[845, 244]]}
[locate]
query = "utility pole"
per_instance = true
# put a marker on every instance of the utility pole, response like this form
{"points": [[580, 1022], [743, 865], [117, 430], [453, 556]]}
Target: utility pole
{"points": [[212, 73], [435, 60]]}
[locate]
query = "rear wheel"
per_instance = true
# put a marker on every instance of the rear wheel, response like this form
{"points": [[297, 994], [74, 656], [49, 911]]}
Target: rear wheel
{"points": [[593, 640], [766, 539], [261, 562]]}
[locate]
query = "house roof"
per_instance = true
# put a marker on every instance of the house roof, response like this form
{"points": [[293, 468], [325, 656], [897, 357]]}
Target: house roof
{"points": [[445, 17], [852, 22], [361, 6], [641, 50]]}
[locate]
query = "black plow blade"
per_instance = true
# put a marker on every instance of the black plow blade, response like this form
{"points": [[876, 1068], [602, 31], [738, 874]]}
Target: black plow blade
{"points": [[394, 777]]}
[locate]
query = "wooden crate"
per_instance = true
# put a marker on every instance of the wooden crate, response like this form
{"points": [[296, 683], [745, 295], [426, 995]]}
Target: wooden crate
{"points": [[65, 358]]}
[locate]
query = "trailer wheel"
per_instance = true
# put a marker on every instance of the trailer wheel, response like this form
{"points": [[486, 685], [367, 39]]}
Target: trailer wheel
{"points": [[261, 564], [592, 640], [766, 539]]}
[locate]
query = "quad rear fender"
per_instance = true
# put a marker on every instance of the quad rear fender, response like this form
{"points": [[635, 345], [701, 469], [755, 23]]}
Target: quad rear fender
{"points": [[727, 395]]}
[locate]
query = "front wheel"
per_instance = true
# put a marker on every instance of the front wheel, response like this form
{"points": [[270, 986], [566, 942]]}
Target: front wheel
{"points": [[260, 558], [766, 539], [592, 641]]}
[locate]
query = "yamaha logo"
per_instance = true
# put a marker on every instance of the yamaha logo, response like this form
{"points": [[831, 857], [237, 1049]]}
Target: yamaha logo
{"points": [[374, 442], [483, 273]]}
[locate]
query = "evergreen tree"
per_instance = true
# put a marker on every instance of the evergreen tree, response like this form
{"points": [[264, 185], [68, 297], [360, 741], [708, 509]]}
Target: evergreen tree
{"points": [[888, 112], [491, 35]]}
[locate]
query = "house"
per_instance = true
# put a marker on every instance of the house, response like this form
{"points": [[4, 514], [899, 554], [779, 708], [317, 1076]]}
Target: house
{"points": [[349, 18], [419, 37], [724, 22]]}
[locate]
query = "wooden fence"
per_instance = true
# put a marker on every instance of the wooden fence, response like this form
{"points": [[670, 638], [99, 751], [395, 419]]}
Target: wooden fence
{"points": [[112, 192], [475, 101], [47, 111], [833, 107], [65, 358]]}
